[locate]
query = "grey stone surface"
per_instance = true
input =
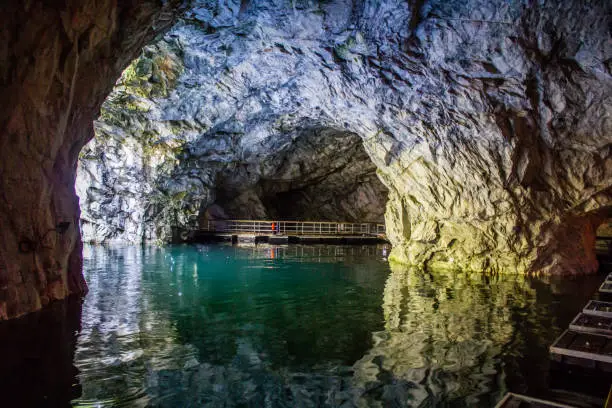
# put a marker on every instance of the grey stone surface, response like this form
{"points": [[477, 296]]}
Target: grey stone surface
{"points": [[488, 121]]}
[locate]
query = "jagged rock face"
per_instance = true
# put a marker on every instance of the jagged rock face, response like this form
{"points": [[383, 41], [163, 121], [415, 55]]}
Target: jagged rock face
{"points": [[134, 188], [488, 121], [59, 61], [172, 141]]}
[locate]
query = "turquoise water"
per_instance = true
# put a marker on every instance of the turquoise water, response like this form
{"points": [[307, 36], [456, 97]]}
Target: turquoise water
{"points": [[296, 326], [225, 325]]}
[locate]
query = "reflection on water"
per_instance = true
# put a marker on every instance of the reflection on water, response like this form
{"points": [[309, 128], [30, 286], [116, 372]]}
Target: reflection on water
{"points": [[444, 337], [293, 326], [465, 339], [221, 325]]}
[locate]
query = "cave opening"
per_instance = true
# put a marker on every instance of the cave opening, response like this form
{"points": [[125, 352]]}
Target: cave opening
{"points": [[171, 155], [129, 195], [325, 174], [483, 137]]}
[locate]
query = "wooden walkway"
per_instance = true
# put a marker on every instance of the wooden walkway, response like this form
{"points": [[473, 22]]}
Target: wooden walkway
{"points": [[285, 232], [606, 286], [312, 228], [584, 348], [582, 354], [588, 323], [598, 308], [588, 340]]}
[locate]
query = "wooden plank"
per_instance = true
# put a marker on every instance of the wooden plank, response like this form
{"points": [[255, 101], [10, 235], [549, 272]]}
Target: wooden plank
{"points": [[588, 343], [512, 400], [598, 308], [592, 324], [566, 338], [606, 287], [585, 346]]}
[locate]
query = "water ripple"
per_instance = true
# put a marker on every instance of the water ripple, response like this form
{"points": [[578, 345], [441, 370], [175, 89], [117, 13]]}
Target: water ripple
{"points": [[304, 327]]}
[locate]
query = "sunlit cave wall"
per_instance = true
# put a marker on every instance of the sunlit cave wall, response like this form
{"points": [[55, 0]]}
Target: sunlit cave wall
{"points": [[190, 125], [488, 122]]}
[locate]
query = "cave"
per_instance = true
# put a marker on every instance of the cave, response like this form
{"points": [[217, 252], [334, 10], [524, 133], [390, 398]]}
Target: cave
{"points": [[164, 155], [493, 161], [480, 131], [327, 176], [127, 194]]}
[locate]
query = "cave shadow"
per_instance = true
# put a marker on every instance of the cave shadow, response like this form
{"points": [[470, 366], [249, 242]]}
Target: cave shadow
{"points": [[603, 240], [324, 174], [36, 357]]}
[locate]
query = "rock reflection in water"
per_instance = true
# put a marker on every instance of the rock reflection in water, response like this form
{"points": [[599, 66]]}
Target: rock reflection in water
{"points": [[445, 337], [124, 339], [219, 326]]}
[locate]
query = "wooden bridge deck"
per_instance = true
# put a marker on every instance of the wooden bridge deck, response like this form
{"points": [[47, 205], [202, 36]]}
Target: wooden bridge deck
{"points": [[582, 355], [598, 308], [585, 349], [592, 324], [588, 341], [606, 286]]}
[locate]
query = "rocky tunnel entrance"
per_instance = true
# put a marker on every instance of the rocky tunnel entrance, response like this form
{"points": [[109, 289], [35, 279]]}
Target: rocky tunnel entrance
{"points": [[324, 175], [178, 141], [319, 174]]}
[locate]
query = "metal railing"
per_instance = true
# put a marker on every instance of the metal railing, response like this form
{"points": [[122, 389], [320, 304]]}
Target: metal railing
{"points": [[292, 227]]}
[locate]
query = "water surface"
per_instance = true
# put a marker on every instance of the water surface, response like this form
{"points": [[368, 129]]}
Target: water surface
{"points": [[297, 326]]}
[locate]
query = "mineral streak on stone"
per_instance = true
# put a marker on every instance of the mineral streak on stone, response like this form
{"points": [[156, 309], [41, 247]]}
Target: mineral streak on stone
{"points": [[59, 61], [488, 120]]}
